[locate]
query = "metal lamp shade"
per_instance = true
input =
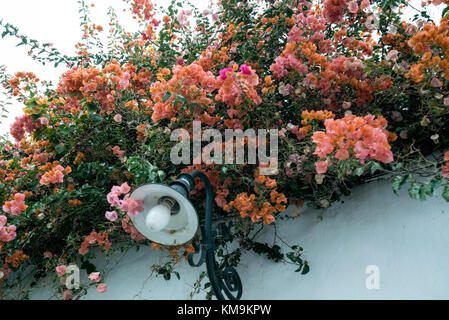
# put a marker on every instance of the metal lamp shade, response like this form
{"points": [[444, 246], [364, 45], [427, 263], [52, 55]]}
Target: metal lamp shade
{"points": [[182, 226]]}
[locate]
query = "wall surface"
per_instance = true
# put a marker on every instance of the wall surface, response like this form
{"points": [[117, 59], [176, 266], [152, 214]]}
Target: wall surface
{"points": [[407, 240]]}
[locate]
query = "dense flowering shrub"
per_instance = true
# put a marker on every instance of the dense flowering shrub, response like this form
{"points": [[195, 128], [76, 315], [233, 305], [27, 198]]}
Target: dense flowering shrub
{"points": [[353, 89]]}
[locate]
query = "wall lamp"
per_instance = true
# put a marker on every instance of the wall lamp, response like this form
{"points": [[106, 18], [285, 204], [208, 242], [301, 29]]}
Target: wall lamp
{"points": [[169, 218]]}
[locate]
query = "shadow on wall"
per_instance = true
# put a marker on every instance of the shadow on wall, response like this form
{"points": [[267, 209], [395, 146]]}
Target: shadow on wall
{"points": [[402, 243]]}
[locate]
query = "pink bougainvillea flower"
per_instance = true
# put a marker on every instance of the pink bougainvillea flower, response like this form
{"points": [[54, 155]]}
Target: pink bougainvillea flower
{"points": [[346, 104], [6, 233], [321, 166], [48, 255], [353, 7], [111, 215], [95, 277], [61, 270], [15, 206], [118, 118], [392, 55], [125, 188], [67, 295], [102, 288], [436, 83], [131, 206]]}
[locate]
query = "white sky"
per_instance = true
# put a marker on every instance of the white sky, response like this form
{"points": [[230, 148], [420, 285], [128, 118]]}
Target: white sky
{"points": [[57, 21], [54, 21]]}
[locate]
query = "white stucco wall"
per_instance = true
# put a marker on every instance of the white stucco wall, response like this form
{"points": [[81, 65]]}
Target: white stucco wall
{"points": [[408, 240]]}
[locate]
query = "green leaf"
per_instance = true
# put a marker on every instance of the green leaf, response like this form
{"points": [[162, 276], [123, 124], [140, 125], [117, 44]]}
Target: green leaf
{"points": [[374, 167], [444, 12], [91, 107], [167, 95], [59, 148], [305, 269], [413, 191], [445, 193], [435, 184], [359, 171], [400, 181]]}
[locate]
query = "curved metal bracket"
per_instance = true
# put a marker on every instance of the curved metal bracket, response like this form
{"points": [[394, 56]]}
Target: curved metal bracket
{"points": [[225, 281]]}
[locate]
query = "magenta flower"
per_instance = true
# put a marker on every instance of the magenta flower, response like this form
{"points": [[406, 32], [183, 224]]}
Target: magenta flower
{"points": [[245, 69], [223, 73]]}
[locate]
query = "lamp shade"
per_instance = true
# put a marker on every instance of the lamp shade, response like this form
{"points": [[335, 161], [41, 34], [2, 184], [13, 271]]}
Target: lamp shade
{"points": [[153, 223]]}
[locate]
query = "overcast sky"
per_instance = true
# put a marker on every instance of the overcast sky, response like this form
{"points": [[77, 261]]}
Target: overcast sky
{"points": [[57, 21]]}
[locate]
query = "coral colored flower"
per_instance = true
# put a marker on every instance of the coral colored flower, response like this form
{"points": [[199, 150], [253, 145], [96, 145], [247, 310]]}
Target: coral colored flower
{"points": [[118, 152], [366, 135], [55, 175], [321, 166], [102, 288], [111, 215], [445, 170], [95, 277], [446, 156], [15, 206], [61, 270]]}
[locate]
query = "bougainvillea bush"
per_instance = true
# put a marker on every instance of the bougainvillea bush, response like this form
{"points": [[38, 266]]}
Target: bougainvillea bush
{"points": [[355, 90]]}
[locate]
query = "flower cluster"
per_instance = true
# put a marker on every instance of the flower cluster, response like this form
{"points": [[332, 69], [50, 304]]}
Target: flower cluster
{"points": [[236, 86], [15, 206], [432, 36], [363, 137], [127, 204], [7, 233], [188, 84], [95, 238], [54, 173], [95, 85], [248, 206]]}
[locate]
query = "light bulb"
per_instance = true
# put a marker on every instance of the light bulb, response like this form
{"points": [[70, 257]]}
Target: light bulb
{"points": [[158, 218]]}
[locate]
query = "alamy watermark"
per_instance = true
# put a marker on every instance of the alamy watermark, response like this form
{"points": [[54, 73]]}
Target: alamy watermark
{"points": [[373, 280], [234, 153], [73, 279]]}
